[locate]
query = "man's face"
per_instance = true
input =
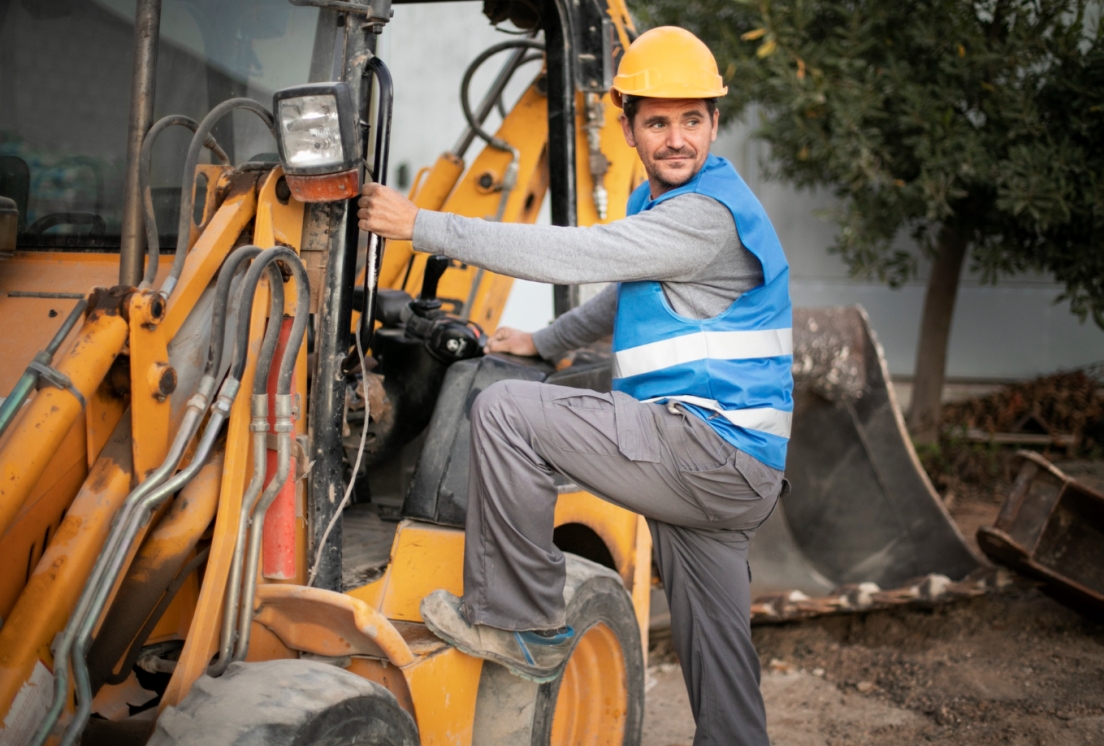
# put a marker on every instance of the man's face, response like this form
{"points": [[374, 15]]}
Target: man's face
{"points": [[672, 137]]}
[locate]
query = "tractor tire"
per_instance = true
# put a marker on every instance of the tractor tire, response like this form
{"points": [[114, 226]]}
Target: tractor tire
{"points": [[286, 703], [599, 699]]}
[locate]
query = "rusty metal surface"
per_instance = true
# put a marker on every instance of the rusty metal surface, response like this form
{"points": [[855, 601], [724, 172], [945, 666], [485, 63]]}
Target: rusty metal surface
{"points": [[1051, 527], [862, 515]]}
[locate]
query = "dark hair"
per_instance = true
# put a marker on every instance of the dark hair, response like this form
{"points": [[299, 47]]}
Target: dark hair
{"points": [[630, 104]]}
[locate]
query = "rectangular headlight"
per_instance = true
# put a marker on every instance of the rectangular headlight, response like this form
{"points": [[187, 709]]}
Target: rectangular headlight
{"points": [[311, 130], [318, 136], [316, 128]]}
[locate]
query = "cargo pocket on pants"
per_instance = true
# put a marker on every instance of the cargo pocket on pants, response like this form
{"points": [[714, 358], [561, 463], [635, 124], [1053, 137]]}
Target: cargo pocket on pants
{"points": [[637, 434], [722, 493]]}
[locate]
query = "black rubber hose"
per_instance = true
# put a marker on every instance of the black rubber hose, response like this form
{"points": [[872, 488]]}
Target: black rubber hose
{"points": [[499, 103], [465, 84], [245, 312], [222, 302], [187, 192], [153, 240], [272, 331], [299, 323]]}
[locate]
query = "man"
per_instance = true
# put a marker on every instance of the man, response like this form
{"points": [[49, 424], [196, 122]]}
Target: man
{"points": [[694, 434]]}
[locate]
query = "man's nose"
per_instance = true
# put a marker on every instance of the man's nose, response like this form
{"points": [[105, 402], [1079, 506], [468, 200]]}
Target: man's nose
{"points": [[675, 139]]}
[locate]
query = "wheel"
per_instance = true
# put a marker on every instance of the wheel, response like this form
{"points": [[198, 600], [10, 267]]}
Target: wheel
{"points": [[599, 699], [286, 703]]}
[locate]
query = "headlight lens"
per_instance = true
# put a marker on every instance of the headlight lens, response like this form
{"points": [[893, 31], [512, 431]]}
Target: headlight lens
{"points": [[311, 132]]}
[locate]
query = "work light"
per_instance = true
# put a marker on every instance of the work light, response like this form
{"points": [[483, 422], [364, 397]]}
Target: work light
{"points": [[317, 134]]}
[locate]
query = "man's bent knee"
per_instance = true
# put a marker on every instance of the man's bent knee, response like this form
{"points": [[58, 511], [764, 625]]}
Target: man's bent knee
{"points": [[497, 408]]}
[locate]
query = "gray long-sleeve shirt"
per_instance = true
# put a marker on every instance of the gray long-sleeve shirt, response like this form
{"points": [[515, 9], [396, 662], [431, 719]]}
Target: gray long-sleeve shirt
{"points": [[688, 243]]}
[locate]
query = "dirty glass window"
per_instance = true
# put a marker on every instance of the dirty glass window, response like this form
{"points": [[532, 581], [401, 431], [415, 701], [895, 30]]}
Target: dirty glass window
{"points": [[65, 69]]}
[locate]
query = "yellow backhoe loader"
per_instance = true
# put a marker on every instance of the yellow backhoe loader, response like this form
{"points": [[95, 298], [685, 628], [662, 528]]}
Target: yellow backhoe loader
{"points": [[197, 445]]}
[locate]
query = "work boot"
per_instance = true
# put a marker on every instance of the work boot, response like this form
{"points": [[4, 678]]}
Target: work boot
{"points": [[535, 656]]}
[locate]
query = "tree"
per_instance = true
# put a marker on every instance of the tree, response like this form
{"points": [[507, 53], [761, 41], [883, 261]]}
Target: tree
{"points": [[976, 127]]}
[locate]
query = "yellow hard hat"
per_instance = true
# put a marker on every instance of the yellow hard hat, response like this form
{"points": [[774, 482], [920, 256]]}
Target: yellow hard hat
{"points": [[667, 62]]}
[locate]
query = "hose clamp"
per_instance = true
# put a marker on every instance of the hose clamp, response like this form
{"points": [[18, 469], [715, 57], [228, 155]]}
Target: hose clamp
{"points": [[57, 379]]}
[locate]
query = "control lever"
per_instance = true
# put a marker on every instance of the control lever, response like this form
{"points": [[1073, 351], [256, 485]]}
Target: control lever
{"points": [[434, 268]]}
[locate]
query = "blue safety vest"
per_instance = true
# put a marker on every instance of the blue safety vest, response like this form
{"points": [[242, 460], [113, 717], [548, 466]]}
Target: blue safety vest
{"points": [[732, 370]]}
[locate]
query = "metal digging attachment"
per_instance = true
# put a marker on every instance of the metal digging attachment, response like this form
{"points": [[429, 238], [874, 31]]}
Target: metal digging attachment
{"points": [[1051, 528], [862, 516]]}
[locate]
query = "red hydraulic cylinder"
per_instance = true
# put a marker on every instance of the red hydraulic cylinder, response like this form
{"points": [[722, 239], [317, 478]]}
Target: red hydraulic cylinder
{"points": [[279, 525]]}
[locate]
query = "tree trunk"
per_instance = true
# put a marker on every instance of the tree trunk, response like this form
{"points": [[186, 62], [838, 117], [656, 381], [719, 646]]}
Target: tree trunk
{"points": [[935, 334]]}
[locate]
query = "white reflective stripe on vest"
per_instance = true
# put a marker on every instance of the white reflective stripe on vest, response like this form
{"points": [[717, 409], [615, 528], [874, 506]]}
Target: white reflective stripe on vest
{"points": [[763, 419], [688, 348]]}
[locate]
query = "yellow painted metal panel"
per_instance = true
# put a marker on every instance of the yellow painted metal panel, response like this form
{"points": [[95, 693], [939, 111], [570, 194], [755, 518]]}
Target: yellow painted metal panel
{"points": [[35, 438], [52, 591], [616, 526], [423, 558], [210, 250], [22, 546], [444, 687]]}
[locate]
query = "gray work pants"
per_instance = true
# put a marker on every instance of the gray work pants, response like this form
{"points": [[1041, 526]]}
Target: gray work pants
{"points": [[698, 493]]}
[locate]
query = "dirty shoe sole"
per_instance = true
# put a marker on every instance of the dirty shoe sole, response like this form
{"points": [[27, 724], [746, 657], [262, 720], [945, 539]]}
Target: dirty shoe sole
{"points": [[442, 613]]}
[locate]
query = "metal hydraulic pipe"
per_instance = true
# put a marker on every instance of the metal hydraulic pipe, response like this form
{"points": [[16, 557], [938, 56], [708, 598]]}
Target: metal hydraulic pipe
{"points": [[153, 240], [193, 414], [259, 427], [147, 29], [228, 637], [187, 189], [220, 412], [26, 383], [149, 584], [283, 427]]}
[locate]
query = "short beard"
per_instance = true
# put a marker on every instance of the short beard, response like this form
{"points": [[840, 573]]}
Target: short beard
{"points": [[655, 176]]}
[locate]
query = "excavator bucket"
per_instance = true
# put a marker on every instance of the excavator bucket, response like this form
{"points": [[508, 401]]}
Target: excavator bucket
{"points": [[862, 515]]}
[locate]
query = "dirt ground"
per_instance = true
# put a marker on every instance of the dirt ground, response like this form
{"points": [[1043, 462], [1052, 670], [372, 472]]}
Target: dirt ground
{"points": [[1013, 667]]}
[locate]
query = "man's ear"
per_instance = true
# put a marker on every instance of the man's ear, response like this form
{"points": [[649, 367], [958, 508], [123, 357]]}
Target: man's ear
{"points": [[626, 127], [716, 125]]}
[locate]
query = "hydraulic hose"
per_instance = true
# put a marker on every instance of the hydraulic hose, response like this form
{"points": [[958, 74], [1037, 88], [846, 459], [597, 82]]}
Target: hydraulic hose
{"points": [[222, 303], [259, 427], [153, 240], [302, 306], [510, 177], [187, 192], [465, 100], [282, 426], [68, 648], [494, 94]]}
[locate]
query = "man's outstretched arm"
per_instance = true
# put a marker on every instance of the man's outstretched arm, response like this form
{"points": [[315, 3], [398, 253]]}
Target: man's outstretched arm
{"points": [[671, 243]]}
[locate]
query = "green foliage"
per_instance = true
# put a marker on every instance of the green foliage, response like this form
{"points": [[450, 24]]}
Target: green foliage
{"points": [[984, 117]]}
